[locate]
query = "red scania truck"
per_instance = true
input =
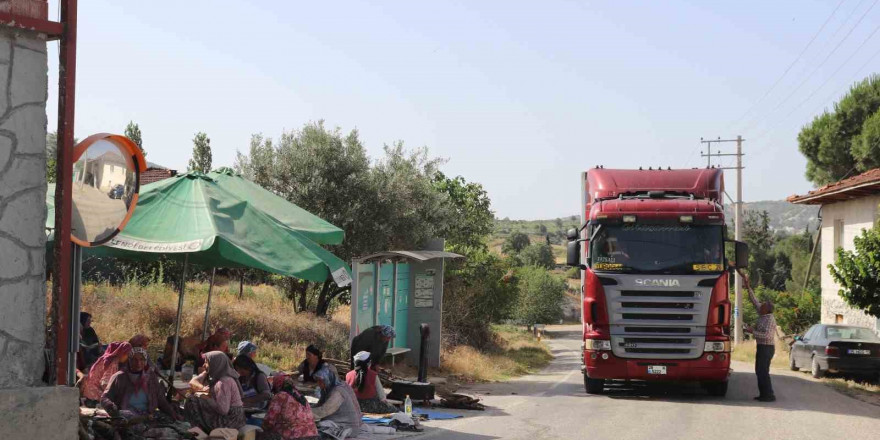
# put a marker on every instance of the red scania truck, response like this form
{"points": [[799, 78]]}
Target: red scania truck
{"points": [[654, 279]]}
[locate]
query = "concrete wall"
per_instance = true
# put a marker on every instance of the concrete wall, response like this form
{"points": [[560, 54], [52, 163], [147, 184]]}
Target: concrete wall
{"points": [[27, 409], [857, 214], [23, 86]]}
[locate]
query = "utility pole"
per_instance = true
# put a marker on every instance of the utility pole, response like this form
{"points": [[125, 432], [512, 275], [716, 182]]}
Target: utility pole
{"points": [[738, 217]]}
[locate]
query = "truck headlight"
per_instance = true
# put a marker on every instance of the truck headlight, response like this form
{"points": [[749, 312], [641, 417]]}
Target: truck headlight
{"points": [[717, 346], [598, 344]]}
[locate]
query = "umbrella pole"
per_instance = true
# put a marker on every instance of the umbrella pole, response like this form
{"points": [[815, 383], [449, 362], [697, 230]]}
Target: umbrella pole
{"points": [[177, 326], [208, 307]]}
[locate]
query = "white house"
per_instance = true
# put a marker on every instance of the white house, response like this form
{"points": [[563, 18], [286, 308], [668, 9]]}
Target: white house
{"points": [[848, 207]]}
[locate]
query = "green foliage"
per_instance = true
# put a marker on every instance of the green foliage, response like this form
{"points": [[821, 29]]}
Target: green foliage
{"points": [[51, 156], [541, 295], [515, 243], [478, 291], [538, 255], [401, 201], [794, 312], [573, 273], [201, 156], [858, 273], [844, 141], [469, 204], [133, 132]]}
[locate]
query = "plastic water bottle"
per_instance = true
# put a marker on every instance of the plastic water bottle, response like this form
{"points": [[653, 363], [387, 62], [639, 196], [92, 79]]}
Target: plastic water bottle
{"points": [[407, 406]]}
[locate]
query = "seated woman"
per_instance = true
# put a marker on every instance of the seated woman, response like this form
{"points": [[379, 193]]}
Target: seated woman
{"points": [[289, 416], [254, 385], [338, 403], [219, 341], [103, 369], [313, 362], [135, 390], [367, 386], [89, 344], [221, 407]]}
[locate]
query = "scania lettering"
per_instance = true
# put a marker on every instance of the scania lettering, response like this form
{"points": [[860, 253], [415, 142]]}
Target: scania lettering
{"points": [[654, 278]]}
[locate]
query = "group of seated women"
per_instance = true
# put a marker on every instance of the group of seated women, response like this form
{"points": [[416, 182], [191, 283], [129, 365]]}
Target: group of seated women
{"points": [[125, 382]]}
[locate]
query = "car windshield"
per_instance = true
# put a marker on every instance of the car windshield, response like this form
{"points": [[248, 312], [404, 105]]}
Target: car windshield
{"points": [[669, 249], [844, 333]]}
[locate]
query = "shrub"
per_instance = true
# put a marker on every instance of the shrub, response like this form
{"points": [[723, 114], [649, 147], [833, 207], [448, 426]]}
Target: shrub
{"points": [[539, 255], [541, 295], [477, 292]]}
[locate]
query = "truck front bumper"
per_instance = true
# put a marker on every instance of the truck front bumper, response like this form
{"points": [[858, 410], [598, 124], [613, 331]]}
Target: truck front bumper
{"points": [[700, 369]]}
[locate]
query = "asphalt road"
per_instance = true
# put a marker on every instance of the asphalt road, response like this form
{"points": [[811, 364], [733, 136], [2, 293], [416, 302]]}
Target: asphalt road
{"points": [[553, 405]]}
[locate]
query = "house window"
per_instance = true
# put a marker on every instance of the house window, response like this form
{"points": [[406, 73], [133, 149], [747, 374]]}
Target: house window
{"points": [[838, 236], [838, 319]]}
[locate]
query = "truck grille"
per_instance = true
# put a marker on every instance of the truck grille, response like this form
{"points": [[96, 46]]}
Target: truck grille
{"points": [[657, 323], [657, 293]]}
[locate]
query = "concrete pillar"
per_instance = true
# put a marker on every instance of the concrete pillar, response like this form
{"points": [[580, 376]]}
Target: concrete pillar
{"points": [[30, 410]]}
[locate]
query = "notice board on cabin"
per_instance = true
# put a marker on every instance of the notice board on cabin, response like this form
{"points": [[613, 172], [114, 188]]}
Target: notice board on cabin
{"points": [[423, 295]]}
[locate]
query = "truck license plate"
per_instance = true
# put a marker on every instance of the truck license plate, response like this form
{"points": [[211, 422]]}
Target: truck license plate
{"points": [[858, 351], [657, 369]]}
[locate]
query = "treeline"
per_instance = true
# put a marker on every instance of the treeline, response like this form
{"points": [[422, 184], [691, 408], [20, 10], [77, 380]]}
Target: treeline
{"points": [[778, 265]]}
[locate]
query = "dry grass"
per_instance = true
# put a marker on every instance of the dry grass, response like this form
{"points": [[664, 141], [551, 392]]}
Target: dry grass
{"points": [[745, 352], [518, 353], [262, 316]]}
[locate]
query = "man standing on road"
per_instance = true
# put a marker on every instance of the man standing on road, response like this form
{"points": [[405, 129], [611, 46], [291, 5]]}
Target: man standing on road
{"points": [[765, 336]]}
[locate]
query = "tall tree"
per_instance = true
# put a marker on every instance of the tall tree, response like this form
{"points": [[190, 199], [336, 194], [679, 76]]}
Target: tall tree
{"points": [[201, 158], [469, 205], [133, 132], [846, 140]]}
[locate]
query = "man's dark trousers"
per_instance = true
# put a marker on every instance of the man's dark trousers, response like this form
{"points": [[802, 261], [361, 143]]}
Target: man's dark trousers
{"points": [[762, 369]]}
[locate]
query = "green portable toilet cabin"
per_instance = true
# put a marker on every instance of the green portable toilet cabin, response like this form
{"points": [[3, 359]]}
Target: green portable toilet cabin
{"points": [[403, 289]]}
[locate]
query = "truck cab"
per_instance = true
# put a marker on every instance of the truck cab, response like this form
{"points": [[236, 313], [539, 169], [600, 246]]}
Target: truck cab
{"points": [[654, 277]]}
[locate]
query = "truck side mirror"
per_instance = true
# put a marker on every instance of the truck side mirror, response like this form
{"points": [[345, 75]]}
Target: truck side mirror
{"points": [[572, 234], [742, 255], [573, 254]]}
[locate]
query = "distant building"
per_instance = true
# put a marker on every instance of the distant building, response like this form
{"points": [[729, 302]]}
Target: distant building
{"points": [[155, 173], [848, 207]]}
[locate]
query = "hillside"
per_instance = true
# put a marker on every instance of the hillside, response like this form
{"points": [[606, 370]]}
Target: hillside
{"points": [[784, 216]]}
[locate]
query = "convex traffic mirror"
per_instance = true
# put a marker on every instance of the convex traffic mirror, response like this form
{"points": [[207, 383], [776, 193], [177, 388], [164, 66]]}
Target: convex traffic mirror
{"points": [[106, 174]]}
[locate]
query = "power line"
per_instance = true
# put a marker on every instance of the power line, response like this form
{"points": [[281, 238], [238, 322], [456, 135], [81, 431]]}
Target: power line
{"points": [[810, 96], [788, 69], [819, 66]]}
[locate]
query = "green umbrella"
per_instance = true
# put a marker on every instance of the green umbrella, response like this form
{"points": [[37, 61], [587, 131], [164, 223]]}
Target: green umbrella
{"points": [[221, 220], [313, 227]]}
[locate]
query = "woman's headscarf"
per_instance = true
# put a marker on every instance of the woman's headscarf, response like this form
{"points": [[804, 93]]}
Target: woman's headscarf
{"points": [[330, 381], [388, 332], [113, 352], [245, 361], [314, 350], [246, 347], [361, 365], [219, 366], [140, 380], [83, 317], [287, 384]]}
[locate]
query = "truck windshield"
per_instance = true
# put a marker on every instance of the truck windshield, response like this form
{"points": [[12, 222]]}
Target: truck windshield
{"points": [[670, 249]]}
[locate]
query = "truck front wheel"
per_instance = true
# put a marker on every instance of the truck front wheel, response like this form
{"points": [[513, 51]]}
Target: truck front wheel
{"points": [[594, 386], [717, 389]]}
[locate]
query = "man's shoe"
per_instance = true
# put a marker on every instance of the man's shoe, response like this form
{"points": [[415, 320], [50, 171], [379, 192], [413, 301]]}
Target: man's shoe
{"points": [[767, 399]]}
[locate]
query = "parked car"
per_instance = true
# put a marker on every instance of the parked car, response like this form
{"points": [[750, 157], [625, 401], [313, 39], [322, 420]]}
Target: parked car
{"points": [[116, 192], [836, 349]]}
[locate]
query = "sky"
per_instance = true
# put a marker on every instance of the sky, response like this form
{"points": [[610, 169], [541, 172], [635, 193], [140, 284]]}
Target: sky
{"points": [[518, 96]]}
